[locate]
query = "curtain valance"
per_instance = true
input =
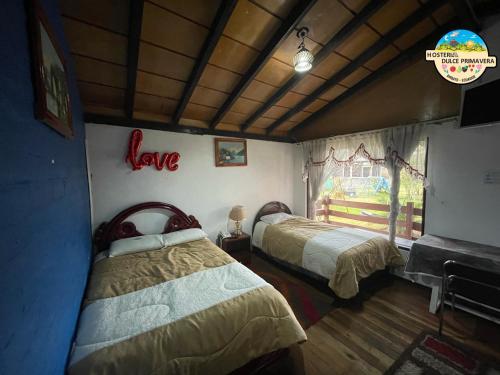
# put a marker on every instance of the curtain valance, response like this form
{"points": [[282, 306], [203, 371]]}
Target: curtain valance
{"points": [[379, 148]]}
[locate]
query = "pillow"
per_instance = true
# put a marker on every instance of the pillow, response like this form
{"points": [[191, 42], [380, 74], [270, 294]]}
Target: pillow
{"points": [[276, 218], [136, 244], [183, 236]]}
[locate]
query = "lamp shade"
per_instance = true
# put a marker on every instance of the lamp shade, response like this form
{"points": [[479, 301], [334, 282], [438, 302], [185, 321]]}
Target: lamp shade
{"points": [[237, 213], [303, 60]]}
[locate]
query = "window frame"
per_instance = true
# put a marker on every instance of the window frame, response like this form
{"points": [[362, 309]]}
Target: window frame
{"points": [[379, 174]]}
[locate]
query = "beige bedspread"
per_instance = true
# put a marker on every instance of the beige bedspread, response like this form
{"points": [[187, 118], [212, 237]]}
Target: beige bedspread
{"points": [[287, 240], [218, 339]]}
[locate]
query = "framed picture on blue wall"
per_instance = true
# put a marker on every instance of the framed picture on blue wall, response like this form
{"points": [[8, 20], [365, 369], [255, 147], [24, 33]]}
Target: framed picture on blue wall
{"points": [[50, 77]]}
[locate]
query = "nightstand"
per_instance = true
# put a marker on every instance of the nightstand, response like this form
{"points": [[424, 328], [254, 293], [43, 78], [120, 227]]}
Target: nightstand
{"points": [[238, 247]]}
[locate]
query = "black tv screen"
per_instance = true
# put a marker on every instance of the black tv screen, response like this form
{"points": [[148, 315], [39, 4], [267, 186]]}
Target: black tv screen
{"points": [[481, 105]]}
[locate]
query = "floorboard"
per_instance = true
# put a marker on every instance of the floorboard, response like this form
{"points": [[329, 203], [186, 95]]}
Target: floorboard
{"points": [[369, 337]]}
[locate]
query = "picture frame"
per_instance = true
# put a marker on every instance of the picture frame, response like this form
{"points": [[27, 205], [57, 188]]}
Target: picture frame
{"points": [[50, 75], [230, 152]]}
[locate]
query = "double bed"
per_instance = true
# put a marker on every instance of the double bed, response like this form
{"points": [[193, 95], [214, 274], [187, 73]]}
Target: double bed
{"points": [[175, 303], [338, 256]]}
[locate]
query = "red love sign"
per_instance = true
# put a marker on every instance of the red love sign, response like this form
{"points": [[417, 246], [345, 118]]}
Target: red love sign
{"points": [[167, 160]]}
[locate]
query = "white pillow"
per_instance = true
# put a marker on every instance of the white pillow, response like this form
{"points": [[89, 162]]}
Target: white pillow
{"points": [[136, 244], [276, 218], [183, 236]]}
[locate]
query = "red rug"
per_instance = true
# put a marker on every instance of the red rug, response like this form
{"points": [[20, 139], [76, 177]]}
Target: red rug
{"points": [[308, 303], [432, 354]]}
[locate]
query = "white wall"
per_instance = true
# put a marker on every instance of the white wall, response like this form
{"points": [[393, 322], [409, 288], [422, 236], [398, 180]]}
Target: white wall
{"points": [[459, 204], [197, 187]]}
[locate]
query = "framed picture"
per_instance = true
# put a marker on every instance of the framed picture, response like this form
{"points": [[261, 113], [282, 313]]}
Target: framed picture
{"points": [[52, 102], [230, 152]]}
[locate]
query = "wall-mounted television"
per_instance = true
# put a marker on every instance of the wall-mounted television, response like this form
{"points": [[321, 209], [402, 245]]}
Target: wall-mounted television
{"points": [[481, 105]]}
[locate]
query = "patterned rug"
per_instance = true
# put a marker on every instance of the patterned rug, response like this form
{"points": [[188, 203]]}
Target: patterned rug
{"points": [[432, 354], [308, 303]]}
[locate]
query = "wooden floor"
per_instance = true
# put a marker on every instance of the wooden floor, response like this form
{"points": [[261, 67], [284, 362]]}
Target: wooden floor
{"points": [[368, 338]]}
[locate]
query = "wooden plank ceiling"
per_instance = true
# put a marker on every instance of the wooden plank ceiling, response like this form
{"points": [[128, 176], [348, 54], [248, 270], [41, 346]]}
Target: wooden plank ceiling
{"points": [[225, 67]]}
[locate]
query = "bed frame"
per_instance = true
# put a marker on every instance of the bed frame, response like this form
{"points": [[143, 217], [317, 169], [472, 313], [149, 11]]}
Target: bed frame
{"points": [[270, 208], [118, 228]]}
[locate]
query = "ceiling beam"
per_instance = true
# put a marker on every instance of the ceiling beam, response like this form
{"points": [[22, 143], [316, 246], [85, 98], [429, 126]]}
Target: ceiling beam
{"points": [[334, 42], [416, 51], [286, 28], [156, 125], [134, 39], [221, 18], [406, 25], [466, 14]]}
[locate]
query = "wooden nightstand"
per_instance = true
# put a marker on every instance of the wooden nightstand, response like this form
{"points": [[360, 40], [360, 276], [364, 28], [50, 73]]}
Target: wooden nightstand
{"points": [[238, 247]]}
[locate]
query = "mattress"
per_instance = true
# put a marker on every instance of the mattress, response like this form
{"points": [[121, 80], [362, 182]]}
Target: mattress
{"points": [[188, 308], [342, 255]]}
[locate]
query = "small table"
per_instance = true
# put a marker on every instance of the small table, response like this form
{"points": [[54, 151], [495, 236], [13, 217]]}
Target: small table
{"points": [[429, 252], [238, 247]]}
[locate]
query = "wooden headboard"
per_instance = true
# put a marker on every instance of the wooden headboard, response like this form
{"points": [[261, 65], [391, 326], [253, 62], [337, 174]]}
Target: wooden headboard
{"points": [[119, 228], [270, 208]]}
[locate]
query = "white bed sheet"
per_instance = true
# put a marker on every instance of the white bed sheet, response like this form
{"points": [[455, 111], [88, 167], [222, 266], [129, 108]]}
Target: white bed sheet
{"points": [[258, 234], [321, 252]]}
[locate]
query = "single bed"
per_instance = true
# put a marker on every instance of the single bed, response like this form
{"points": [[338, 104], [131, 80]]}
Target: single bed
{"points": [[184, 308], [339, 256]]}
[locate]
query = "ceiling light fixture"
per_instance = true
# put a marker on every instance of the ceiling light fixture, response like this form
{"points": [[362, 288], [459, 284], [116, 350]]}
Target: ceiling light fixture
{"points": [[302, 61]]}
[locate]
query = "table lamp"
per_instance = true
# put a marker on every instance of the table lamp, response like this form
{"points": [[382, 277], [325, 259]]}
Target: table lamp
{"points": [[237, 214]]}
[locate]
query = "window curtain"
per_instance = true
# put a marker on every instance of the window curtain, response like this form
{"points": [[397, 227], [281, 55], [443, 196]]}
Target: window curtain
{"points": [[318, 166], [391, 148], [346, 150], [399, 143]]}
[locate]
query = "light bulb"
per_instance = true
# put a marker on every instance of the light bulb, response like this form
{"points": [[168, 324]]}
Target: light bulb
{"points": [[302, 62]]}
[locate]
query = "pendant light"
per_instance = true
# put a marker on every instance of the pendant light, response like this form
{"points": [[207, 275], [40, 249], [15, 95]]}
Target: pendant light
{"points": [[302, 61]]}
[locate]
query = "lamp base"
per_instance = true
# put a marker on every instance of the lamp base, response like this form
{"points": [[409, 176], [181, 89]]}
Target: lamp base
{"points": [[237, 231]]}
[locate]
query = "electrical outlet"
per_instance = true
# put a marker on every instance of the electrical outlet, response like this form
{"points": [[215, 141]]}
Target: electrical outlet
{"points": [[492, 177]]}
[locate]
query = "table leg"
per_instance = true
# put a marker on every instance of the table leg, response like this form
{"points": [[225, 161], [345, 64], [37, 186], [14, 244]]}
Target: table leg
{"points": [[434, 304]]}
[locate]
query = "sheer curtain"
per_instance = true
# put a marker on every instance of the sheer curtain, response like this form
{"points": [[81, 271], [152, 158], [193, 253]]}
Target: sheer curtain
{"points": [[391, 148], [399, 143], [347, 149], [318, 166]]}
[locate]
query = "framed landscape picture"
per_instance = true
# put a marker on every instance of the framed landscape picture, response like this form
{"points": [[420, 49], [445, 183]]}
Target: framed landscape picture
{"points": [[230, 152], [52, 102]]}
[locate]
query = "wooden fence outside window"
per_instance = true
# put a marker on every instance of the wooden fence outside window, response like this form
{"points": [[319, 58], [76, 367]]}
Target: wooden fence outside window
{"points": [[410, 227]]}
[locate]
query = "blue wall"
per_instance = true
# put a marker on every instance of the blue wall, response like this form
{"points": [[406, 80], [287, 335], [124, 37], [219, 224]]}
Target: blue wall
{"points": [[45, 218]]}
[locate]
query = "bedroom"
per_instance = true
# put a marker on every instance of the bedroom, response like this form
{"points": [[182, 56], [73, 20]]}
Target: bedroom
{"points": [[200, 106]]}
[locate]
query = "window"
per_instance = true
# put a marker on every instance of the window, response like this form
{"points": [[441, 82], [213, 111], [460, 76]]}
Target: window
{"points": [[356, 170], [359, 196]]}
